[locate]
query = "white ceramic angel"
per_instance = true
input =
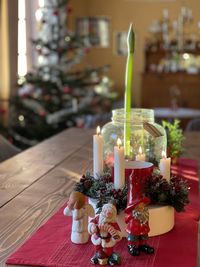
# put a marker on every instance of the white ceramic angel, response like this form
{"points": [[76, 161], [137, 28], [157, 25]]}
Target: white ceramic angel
{"points": [[80, 212]]}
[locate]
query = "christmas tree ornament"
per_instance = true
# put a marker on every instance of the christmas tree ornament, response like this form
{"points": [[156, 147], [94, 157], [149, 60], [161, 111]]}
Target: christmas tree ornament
{"points": [[80, 212], [105, 233]]}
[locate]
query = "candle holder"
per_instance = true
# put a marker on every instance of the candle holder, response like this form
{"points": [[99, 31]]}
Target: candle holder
{"points": [[141, 171], [139, 137]]}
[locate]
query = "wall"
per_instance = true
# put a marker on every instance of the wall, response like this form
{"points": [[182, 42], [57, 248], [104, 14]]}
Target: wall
{"points": [[121, 13], [8, 52]]}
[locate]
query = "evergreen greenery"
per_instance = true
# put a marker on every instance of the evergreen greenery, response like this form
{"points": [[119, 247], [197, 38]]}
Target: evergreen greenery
{"points": [[175, 193], [102, 190], [174, 138]]}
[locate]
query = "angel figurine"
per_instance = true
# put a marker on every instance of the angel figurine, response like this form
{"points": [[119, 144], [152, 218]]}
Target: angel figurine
{"points": [[80, 212]]}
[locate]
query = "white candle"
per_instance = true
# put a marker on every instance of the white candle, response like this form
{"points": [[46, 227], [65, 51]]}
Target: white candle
{"points": [[119, 175], [140, 156], [97, 153], [165, 166]]}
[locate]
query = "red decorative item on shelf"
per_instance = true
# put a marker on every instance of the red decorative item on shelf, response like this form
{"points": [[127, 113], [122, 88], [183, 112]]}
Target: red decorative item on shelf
{"points": [[69, 9], [87, 50], [56, 12]]}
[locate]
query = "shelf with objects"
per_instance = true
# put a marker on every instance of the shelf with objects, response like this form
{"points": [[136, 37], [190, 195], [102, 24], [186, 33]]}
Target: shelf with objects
{"points": [[172, 64]]}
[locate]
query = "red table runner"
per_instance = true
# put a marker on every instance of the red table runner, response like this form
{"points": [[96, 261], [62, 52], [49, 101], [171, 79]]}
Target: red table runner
{"points": [[50, 246]]}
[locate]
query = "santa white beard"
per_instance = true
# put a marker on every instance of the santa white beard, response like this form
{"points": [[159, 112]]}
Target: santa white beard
{"points": [[103, 219], [105, 227]]}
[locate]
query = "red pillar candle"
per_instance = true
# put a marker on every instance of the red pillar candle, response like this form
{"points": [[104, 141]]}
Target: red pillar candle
{"points": [[136, 173]]}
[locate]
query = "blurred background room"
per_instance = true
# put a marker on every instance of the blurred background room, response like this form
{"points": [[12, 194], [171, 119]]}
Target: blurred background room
{"points": [[62, 64]]}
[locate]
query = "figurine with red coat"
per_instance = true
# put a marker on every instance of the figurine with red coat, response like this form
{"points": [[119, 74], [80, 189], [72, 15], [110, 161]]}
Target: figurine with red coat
{"points": [[105, 234], [137, 219]]}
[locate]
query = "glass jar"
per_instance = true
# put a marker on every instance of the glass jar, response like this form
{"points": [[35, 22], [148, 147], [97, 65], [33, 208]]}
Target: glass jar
{"points": [[151, 146]]}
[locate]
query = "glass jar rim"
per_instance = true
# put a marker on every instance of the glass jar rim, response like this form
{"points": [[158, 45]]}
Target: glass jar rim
{"points": [[136, 115]]}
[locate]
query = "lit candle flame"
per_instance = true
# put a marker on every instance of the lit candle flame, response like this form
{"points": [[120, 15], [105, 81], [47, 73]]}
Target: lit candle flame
{"points": [[119, 142], [98, 130], [164, 156], [140, 150]]}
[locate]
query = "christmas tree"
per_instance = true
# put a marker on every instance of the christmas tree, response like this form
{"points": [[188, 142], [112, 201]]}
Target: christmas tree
{"points": [[53, 97]]}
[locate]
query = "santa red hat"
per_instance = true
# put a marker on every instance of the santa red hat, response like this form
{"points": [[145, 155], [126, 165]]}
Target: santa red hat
{"points": [[135, 194], [136, 202]]}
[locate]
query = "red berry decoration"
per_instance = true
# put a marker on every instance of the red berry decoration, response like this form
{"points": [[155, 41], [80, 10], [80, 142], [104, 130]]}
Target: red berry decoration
{"points": [[87, 184]]}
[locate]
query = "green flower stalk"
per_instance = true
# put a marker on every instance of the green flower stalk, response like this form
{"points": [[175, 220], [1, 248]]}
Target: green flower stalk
{"points": [[128, 89]]}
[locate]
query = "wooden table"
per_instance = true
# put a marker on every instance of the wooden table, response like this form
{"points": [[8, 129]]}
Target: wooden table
{"points": [[36, 182]]}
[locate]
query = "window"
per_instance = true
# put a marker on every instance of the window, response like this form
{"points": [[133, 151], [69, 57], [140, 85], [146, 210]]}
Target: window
{"points": [[26, 32], [22, 44]]}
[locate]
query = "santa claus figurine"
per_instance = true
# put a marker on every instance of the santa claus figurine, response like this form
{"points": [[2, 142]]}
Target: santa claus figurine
{"points": [[137, 219], [105, 234], [80, 210]]}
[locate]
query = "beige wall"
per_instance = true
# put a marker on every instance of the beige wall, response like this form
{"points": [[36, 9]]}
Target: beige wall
{"points": [[8, 52], [121, 14]]}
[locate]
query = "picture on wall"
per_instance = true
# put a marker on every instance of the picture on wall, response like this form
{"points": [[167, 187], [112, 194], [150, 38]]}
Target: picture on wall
{"points": [[94, 30], [121, 43]]}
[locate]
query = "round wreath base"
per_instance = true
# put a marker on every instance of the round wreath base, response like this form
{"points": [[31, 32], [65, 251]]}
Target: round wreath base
{"points": [[161, 219], [165, 198]]}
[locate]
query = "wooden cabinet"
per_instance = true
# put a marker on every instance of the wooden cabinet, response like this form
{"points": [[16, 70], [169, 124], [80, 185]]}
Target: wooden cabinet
{"points": [[167, 81], [161, 90]]}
